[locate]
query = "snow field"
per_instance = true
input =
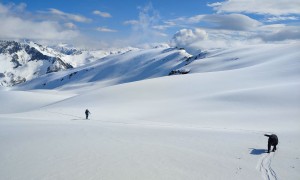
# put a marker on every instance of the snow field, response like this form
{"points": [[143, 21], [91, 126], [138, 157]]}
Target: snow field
{"points": [[205, 125]]}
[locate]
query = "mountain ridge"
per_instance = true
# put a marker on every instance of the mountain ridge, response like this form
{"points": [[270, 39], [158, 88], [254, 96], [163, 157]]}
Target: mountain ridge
{"points": [[23, 61]]}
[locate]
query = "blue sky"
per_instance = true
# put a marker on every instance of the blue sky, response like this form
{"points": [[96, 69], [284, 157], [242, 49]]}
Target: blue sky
{"points": [[120, 11], [139, 22]]}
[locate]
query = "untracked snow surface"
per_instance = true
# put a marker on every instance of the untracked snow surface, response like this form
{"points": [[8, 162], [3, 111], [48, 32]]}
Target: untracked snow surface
{"points": [[205, 125]]}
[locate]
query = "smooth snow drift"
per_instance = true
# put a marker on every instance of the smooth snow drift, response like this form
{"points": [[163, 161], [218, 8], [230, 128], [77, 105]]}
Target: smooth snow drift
{"points": [[205, 125]]}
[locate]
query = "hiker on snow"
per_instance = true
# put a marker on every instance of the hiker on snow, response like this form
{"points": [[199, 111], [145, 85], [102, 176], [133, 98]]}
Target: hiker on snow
{"points": [[272, 141], [87, 112]]}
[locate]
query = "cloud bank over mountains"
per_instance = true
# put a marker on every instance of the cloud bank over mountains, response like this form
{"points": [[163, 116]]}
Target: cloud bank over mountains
{"points": [[232, 24]]}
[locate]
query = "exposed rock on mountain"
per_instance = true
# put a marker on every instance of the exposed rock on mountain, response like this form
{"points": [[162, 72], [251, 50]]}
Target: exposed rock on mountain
{"points": [[20, 62]]}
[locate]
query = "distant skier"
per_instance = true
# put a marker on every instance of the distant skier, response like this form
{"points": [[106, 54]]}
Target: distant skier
{"points": [[87, 112], [272, 141]]}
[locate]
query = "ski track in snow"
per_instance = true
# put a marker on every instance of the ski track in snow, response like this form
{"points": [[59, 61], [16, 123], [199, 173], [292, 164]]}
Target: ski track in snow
{"points": [[265, 167], [156, 124]]}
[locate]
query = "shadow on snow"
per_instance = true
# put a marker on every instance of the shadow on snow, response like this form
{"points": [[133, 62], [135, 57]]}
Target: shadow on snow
{"points": [[257, 151]]}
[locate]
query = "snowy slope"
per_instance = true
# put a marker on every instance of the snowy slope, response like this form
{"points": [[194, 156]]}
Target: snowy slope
{"points": [[115, 69], [205, 125], [21, 62], [254, 86], [20, 101]]}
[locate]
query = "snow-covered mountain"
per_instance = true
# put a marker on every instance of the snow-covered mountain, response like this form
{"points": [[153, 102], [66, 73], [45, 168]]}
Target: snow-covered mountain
{"points": [[66, 49], [21, 62], [33, 66], [115, 69], [78, 57], [174, 127]]}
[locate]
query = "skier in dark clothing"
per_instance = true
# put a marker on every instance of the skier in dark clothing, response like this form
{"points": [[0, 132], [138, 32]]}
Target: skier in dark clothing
{"points": [[272, 141], [87, 112]]}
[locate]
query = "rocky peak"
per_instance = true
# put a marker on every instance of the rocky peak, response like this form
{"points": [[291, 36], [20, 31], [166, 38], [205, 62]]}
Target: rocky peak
{"points": [[20, 62]]}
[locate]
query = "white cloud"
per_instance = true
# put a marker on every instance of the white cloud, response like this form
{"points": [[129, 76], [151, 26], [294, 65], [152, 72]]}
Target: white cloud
{"points": [[278, 32], [17, 28], [146, 27], [102, 14], [187, 38], [131, 22], [70, 25], [274, 11], [161, 34], [15, 25], [160, 27], [3, 9], [196, 40], [281, 18], [225, 30], [16, 8], [238, 22], [68, 16], [270, 7], [165, 25], [105, 29]]}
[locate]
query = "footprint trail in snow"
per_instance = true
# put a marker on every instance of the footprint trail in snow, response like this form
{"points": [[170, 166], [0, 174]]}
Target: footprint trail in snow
{"points": [[265, 168]]}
